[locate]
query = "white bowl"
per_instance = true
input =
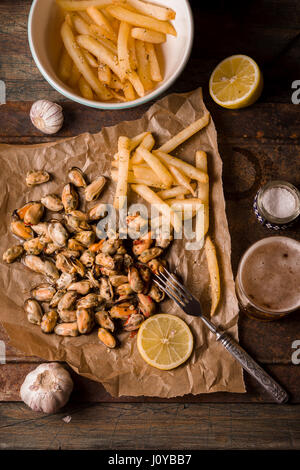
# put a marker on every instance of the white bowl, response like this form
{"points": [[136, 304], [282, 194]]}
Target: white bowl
{"points": [[44, 24]]}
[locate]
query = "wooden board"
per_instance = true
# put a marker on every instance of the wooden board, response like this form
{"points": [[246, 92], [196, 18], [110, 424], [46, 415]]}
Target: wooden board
{"points": [[152, 426], [256, 144]]}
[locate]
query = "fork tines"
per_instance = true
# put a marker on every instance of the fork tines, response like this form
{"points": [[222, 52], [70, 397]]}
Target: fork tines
{"points": [[173, 288]]}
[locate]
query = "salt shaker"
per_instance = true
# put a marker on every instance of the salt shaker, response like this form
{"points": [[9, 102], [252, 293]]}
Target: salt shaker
{"points": [[277, 205]]}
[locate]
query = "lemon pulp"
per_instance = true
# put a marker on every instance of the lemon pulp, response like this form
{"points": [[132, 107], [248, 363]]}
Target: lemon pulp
{"points": [[236, 82], [165, 341]]}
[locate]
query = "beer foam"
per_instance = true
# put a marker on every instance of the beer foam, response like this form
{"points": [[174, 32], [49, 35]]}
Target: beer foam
{"points": [[270, 274]]}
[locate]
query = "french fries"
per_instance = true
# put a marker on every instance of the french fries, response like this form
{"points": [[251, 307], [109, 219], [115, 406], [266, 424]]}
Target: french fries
{"points": [[104, 74], [103, 54], [65, 66], [151, 197], [203, 188], [147, 143], [75, 76], [132, 53], [214, 274], [155, 72], [118, 40], [181, 179], [156, 165], [85, 89], [143, 65], [176, 191], [176, 197], [159, 12], [186, 168], [101, 20], [147, 35], [142, 171], [124, 154], [185, 134], [80, 25], [80, 61], [91, 59], [141, 20], [77, 5], [133, 180], [123, 51]]}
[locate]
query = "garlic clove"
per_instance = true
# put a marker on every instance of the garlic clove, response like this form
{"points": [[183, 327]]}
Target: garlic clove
{"points": [[47, 116], [47, 388]]}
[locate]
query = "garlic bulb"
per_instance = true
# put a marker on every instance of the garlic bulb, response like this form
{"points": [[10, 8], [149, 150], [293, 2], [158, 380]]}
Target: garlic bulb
{"points": [[47, 388], [47, 116]]}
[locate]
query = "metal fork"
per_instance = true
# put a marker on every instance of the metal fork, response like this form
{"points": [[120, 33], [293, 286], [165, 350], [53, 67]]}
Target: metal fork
{"points": [[190, 305]]}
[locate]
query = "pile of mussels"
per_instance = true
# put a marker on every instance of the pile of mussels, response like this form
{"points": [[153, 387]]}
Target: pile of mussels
{"points": [[106, 282]]}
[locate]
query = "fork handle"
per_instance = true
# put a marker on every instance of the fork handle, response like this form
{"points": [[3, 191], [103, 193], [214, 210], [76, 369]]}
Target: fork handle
{"points": [[278, 393]]}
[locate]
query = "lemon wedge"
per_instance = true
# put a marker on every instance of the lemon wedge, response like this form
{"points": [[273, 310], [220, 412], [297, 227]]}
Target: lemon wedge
{"points": [[236, 82], [165, 341]]}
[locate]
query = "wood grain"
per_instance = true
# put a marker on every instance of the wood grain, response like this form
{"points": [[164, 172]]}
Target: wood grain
{"points": [[257, 144], [156, 426]]}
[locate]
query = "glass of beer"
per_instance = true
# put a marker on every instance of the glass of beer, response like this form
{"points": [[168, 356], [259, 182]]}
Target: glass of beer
{"points": [[268, 278]]}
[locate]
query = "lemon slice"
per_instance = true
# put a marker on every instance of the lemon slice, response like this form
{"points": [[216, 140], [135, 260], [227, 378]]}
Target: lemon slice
{"points": [[165, 341], [236, 82]]}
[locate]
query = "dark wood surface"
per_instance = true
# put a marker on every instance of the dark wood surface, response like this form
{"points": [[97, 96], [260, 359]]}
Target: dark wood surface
{"points": [[256, 144]]}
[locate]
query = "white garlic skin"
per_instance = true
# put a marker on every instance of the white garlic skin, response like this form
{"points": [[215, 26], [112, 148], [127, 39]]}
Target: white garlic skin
{"points": [[47, 116], [47, 388]]}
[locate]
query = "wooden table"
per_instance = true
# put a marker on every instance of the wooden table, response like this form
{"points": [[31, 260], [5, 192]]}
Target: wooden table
{"points": [[256, 144]]}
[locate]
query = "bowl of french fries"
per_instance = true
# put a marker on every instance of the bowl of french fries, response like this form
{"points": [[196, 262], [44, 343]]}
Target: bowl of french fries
{"points": [[110, 54]]}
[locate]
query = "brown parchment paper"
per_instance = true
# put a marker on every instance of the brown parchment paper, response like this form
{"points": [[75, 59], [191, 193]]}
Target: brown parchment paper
{"points": [[122, 371]]}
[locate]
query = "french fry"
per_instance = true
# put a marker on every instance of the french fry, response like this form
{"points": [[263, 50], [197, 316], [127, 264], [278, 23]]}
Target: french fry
{"points": [[118, 96], [132, 53], [123, 51], [80, 25], [184, 167], [145, 172], [148, 143], [85, 89], [133, 180], [138, 139], [143, 65], [85, 16], [150, 196], [77, 5], [65, 66], [129, 91], [104, 74], [155, 72], [203, 188], [82, 64], [68, 19], [161, 171], [147, 35], [185, 134], [100, 20], [91, 59], [100, 32], [142, 166], [176, 191], [110, 45], [104, 55], [136, 82], [122, 183], [75, 76], [115, 82], [177, 204], [161, 13], [142, 21], [181, 179], [214, 274]]}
